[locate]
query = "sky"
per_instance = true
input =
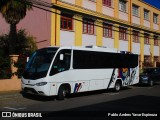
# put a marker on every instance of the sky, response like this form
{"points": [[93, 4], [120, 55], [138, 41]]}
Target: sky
{"points": [[155, 3]]}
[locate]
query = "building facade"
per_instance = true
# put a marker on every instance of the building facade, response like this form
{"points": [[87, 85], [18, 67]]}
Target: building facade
{"points": [[128, 25]]}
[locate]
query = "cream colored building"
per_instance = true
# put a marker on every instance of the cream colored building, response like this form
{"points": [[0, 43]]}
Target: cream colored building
{"points": [[128, 25], [131, 25]]}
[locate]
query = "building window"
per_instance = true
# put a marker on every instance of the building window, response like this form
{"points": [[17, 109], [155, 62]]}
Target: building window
{"points": [[107, 3], [66, 23], [146, 14], [88, 26], [107, 30], [135, 36], [135, 10], [146, 39], [122, 33], [122, 5], [156, 40], [155, 18]]}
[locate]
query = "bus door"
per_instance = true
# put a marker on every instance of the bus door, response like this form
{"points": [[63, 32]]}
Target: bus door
{"points": [[59, 72]]}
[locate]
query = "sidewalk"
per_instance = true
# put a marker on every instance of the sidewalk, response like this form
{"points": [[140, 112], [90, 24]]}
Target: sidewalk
{"points": [[10, 94]]}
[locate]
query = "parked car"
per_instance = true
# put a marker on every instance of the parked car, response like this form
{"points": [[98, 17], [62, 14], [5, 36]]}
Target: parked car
{"points": [[149, 76]]}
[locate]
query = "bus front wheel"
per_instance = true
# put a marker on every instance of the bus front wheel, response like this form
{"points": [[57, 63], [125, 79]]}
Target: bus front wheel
{"points": [[62, 92]]}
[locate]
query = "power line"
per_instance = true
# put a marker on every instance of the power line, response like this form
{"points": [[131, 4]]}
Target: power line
{"points": [[41, 4], [110, 20]]}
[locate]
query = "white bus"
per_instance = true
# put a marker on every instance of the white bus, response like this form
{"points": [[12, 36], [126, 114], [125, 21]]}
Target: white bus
{"points": [[58, 71]]}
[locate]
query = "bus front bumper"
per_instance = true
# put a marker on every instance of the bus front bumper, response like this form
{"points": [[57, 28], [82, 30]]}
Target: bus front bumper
{"points": [[33, 89]]}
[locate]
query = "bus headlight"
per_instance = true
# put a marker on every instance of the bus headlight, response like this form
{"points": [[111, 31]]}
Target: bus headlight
{"points": [[41, 83]]}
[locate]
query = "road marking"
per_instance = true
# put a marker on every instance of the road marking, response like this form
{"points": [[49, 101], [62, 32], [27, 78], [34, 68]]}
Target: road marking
{"points": [[114, 94], [10, 108], [110, 93]]}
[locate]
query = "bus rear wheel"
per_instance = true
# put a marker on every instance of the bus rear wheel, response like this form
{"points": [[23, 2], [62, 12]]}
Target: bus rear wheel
{"points": [[117, 86]]}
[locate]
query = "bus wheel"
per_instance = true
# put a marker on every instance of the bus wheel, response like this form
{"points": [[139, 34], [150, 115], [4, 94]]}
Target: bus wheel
{"points": [[62, 93], [117, 86]]}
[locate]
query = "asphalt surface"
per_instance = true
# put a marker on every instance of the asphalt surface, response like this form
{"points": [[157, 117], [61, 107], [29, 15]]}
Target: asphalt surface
{"points": [[133, 99]]}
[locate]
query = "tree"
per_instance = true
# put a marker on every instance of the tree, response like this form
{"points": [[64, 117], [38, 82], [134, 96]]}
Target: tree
{"points": [[13, 11], [25, 43], [25, 46]]}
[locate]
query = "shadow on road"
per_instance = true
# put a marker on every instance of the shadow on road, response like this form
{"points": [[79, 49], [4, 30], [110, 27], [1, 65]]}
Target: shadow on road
{"points": [[139, 103], [136, 104], [37, 97], [145, 85], [44, 98]]}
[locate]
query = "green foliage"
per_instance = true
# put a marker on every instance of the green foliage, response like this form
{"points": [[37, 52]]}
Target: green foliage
{"points": [[5, 69], [20, 64], [4, 49], [13, 10], [25, 43], [25, 46]]}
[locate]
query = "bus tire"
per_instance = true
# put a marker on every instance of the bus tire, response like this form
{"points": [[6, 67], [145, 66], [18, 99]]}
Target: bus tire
{"points": [[117, 86], [61, 93]]}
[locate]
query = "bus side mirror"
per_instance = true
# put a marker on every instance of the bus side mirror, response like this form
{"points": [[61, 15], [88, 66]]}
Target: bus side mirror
{"points": [[27, 59], [61, 57]]}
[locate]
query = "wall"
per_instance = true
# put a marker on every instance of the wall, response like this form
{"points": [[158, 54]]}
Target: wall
{"points": [[108, 42], [67, 38], [10, 85], [88, 40], [114, 14], [37, 23]]}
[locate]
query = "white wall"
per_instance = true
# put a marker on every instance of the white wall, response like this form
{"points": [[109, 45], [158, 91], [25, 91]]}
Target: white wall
{"points": [[123, 45], [147, 23], [123, 16], [89, 5], [67, 38], [136, 20], [108, 42], [108, 11], [69, 1], [147, 50], [88, 39], [156, 50], [136, 48], [155, 26]]}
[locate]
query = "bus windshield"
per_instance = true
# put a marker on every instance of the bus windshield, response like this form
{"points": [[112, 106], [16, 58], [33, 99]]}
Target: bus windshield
{"points": [[38, 64]]}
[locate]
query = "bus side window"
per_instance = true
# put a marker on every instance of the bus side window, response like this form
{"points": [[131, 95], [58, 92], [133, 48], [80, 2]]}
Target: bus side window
{"points": [[60, 65]]}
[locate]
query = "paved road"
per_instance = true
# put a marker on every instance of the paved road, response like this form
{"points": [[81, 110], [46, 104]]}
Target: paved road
{"points": [[132, 99]]}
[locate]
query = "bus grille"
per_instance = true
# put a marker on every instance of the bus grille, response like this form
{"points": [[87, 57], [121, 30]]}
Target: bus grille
{"points": [[30, 90]]}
